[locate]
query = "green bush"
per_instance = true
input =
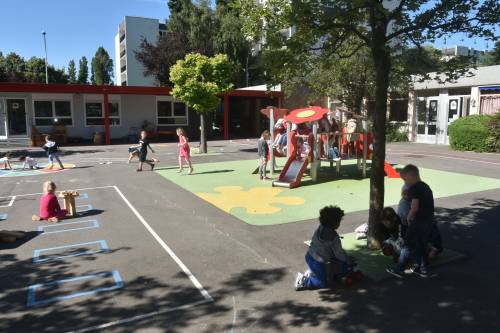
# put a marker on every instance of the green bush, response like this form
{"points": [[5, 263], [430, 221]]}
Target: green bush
{"points": [[394, 134], [473, 133], [493, 140]]}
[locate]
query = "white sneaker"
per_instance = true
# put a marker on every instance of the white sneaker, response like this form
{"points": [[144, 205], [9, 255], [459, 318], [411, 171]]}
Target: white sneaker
{"points": [[299, 281]]}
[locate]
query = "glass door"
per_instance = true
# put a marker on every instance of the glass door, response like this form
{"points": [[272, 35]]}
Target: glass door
{"points": [[427, 119], [16, 117], [3, 120]]}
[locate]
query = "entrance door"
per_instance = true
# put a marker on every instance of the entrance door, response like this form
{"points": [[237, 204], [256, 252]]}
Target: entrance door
{"points": [[426, 119], [3, 120], [16, 117]]}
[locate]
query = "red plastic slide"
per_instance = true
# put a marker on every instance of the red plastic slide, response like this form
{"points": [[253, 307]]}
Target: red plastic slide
{"points": [[292, 172], [390, 171]]}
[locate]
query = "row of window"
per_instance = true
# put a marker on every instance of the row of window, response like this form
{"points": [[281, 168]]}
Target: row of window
{"points": [[50, 112]]}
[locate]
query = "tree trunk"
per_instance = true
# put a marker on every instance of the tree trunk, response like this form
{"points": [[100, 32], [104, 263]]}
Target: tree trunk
{"points": [[203, 136], [381, 57]]}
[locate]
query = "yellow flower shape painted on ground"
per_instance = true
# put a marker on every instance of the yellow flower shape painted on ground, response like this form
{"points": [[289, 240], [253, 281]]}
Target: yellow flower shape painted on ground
{"points": [[257, 200]]}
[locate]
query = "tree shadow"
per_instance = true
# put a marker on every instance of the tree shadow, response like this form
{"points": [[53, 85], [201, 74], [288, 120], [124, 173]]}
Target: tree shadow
{"points": [[29, 236]]}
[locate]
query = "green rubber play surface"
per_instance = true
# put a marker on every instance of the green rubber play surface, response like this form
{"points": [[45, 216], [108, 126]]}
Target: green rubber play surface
{"points": [[232, 187], [373, 263]]}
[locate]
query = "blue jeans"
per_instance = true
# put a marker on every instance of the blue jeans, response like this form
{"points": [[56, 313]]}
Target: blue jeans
{"points": [[318, 279], [282, 140], [55, 156], [416, 240]]}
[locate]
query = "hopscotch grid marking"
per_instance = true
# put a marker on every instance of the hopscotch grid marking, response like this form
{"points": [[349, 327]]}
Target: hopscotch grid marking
{"points": [[36, 255], [32, 301], [42, 228], [184, 268]]}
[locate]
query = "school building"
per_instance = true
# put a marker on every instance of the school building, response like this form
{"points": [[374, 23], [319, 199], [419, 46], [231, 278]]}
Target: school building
{"points": [[80, 113]]}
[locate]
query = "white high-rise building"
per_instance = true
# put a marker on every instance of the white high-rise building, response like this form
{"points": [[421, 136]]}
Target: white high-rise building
{"points": [[129, 71]]}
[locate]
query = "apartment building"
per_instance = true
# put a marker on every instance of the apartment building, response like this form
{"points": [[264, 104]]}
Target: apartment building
{"points": [[131, 31], [455, 51]]}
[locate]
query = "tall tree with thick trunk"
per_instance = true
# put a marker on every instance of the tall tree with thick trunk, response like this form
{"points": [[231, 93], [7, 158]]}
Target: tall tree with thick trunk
{"points": [[324, 27]]}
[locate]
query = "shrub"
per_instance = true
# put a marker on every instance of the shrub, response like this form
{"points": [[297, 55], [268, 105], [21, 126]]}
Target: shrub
{"points": [[394, 134], [471, 133], [493, 140]]}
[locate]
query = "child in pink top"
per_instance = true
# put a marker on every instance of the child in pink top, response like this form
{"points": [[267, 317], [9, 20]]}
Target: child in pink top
{"points": [[49, 206], [184, 150]]}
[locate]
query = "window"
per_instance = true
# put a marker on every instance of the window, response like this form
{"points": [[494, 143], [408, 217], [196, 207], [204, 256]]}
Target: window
{"points": [[48, 112], [171, 113], [94, 113]]}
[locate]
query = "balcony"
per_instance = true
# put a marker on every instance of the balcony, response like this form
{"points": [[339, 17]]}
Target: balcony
{"points": [[123, 68]]}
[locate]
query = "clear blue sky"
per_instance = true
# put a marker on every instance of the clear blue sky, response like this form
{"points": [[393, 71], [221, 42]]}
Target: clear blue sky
{"points": [[76, 28]]}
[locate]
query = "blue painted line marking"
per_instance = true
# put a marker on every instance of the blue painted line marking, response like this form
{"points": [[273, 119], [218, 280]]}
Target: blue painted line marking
{"points": [[36, 256], [45, 229], [3, 216], [32, 301], [88, 208], [83, 195]]}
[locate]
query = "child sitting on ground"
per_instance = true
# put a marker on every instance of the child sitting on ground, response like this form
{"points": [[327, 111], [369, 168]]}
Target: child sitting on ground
{"points": [[393, 242], [49, 206], [325, 248], [6, 161], [29, 162]]}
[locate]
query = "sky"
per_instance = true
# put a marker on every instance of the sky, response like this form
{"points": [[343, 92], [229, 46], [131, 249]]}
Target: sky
{"points": [[76, 28]]}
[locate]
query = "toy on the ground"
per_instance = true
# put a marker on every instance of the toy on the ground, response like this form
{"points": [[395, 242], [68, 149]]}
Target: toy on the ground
{"points": [[11, 236], [346, 275], [69, 201]]}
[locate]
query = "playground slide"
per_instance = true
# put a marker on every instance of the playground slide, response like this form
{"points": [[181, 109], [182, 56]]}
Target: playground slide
{"points": [[292, 172], [390, 171]]}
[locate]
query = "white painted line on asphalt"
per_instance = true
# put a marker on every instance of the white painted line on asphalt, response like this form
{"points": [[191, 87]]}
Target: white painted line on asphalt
{"points": [[11, 202], [139, 317], [427, 154], [76, 189], [184, 268]]}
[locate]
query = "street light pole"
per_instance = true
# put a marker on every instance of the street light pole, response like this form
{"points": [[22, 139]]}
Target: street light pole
{"points": [[46, 64]]}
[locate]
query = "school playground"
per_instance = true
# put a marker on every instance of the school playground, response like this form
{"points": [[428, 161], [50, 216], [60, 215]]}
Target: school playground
{"points": [[217, 251]]}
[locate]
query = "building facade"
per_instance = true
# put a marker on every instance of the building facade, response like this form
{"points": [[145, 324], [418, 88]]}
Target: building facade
{"points": [[128, 70], [120, 112], [433, 105], [464, 51]]}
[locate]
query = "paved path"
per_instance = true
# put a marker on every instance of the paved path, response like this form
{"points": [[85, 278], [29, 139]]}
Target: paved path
{"points": [[162, 260]]}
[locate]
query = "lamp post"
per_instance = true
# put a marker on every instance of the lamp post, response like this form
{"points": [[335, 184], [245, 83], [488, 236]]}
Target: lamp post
{"points": [[46, 64]]}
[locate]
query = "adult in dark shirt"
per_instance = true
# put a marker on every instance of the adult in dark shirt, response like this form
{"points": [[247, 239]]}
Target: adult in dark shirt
{"points": [[420, 221]]}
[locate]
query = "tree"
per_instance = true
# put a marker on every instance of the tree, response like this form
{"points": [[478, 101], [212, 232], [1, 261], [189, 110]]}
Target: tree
{"points": [[198, 80], [83, 71], [102, 67], [491, 58], [3, 72], [35, 70], [72, 72], [57, 75], [14, 67], [383, 27]]}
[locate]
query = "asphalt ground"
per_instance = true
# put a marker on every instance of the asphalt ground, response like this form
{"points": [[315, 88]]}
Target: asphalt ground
{"points": [[186, 266]]}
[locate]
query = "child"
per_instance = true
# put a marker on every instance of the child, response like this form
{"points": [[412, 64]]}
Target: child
{"points": [[6, 161], [404, 206], [326, 248], [143, 152], [133, 152], [263, 151], [393, 242], [420, 221], [184, 150], [29, 162], [49, 206], [52, 152]]}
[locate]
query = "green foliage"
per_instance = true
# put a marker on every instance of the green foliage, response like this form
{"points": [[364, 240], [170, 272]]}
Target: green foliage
{"points": [[198, 80], [102, 67], [473, 133], [14, 68], [395, 134], [493, 140], [492, 57], [71, 72], [35, 70], [83, 71]]}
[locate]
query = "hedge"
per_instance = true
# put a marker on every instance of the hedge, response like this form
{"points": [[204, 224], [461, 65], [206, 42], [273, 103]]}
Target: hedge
{"points": [[475, 133]]}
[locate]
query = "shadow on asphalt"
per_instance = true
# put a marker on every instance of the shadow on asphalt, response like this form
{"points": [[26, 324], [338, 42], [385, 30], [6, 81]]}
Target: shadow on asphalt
{"points": [[29, 236], [455, 299]]}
